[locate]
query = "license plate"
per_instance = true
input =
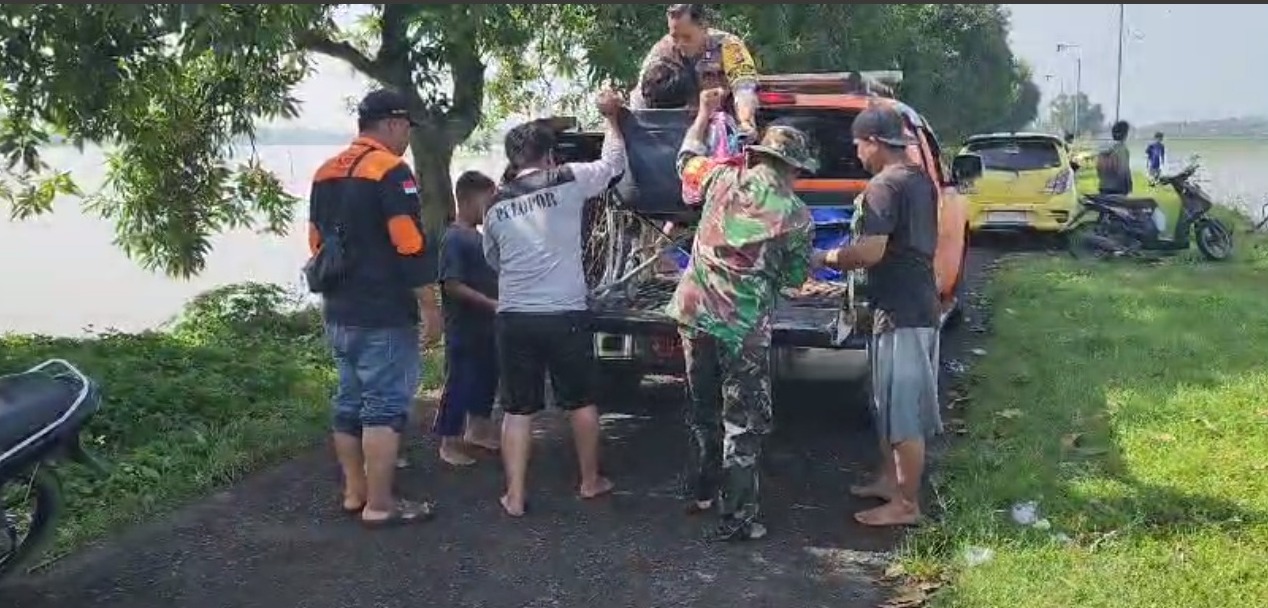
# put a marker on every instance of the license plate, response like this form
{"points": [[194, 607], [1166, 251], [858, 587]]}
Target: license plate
{"points": [[1008, 217], [666, 347]]}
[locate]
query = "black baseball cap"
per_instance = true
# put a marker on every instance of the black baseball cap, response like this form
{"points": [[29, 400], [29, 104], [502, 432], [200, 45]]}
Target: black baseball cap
{"points": [[882, 124], [384, 103]]}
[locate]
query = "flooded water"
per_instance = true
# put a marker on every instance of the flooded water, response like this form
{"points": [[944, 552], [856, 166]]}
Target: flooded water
{"points": [[62, 273]]}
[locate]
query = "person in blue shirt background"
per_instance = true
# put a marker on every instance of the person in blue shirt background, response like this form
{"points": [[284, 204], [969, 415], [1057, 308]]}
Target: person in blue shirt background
{"points": [[469, 299], [1156, 154]]}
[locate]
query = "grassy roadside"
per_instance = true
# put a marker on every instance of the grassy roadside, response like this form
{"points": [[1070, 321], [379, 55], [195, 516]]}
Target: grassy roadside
{"points": [[242, 379], [1127, 401]]}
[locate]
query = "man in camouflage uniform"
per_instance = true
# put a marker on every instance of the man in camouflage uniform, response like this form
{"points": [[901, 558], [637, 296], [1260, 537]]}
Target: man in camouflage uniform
{"points": [[753, 240], [711, 58]]}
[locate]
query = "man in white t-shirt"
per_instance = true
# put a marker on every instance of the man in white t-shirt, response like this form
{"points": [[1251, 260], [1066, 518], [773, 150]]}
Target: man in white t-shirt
{"points": [[532, 237]]}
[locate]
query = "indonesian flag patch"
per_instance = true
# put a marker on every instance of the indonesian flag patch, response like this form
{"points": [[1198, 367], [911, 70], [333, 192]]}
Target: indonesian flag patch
{"points": [[410, 187]]}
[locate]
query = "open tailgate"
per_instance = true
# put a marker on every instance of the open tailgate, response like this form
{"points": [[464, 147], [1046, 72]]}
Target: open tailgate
{"points": [[811, 321]]}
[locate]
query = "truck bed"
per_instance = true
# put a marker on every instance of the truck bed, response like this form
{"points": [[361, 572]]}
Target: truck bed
{"points": [[808, 319]]}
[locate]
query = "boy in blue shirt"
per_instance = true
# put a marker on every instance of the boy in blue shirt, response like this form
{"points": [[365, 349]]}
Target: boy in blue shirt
{"points": [[469, 300], [1156, 153]]}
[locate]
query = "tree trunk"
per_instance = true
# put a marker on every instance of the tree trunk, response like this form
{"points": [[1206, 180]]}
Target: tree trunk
{"points": [[433, 156]]}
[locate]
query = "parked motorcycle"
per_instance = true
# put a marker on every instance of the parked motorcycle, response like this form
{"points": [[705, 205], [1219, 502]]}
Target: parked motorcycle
{"points": [[42, 413], [1127, 226]]}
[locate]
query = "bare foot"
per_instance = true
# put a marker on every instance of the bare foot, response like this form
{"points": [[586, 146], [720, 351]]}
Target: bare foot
{"points": [[892, 514], [598, 489], [513, 509], [455, 457], [353, 504], [489, 444], [880, 488]]}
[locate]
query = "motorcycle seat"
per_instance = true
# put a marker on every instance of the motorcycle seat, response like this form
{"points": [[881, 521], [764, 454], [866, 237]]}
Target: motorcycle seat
{"points": [[1126, 201], [31, 403]]}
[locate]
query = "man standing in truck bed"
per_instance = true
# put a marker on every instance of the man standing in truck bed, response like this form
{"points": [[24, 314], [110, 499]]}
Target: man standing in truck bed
{"points": [[752, 241], [718, 60]]}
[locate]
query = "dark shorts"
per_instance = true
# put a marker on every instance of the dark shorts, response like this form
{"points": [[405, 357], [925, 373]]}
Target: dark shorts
{"points": [[532, 346], [379, 371], [471, 381]]}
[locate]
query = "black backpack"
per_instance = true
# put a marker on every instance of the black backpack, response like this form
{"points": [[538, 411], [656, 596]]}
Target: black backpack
{"points": [[327, 269]]}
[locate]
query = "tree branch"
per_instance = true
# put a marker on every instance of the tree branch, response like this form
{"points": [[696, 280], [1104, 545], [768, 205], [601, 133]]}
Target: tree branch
{"points": [[467, 71], [393, 29], [318, 42]]}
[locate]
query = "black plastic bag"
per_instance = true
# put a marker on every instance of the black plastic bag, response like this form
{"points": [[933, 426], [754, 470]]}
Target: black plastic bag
{"points": [[652, 141], [328, 268]]}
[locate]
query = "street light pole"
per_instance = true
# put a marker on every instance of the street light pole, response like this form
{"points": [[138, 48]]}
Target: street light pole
{"points": [[1078, 87], [1078, 80], [1118, 91]]}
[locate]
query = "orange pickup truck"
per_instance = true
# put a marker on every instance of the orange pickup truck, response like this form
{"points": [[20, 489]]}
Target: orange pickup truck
{"points": [[820, 332]]}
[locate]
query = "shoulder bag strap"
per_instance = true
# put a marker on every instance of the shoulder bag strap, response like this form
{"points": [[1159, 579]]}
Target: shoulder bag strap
{"points": [[340, 215]]}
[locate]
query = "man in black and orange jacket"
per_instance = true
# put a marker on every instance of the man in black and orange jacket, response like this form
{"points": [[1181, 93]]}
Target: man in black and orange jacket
{"points": [[369, 196]]}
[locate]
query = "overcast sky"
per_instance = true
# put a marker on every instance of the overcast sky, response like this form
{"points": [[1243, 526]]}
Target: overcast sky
{"points": [[1180, 61]]}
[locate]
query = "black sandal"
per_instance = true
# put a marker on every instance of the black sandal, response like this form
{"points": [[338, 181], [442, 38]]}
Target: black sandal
{"points": [[403, 514], [732, 530]]}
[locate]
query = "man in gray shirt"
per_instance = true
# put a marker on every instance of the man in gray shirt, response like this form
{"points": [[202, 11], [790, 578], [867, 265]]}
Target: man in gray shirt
{"points": [[1113, 163], [532, 237]]}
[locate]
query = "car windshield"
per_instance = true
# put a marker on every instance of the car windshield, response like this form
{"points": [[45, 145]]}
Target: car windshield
{"points": [[1017, 154], [831, 132]]}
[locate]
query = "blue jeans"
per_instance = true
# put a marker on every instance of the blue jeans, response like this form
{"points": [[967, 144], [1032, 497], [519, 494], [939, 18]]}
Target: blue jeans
{"points": [[379, 372]]}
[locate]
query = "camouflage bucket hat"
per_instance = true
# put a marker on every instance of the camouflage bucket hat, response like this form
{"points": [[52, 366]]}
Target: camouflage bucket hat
{"points": [[790, 145]]}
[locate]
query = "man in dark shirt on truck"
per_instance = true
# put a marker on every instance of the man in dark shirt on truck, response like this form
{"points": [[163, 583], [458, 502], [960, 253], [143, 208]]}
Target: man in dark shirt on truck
{"points": [[365, 204], [898, 232]]}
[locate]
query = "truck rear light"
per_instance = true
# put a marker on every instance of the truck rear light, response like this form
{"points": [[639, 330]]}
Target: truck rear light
{"points": [[777, 99], [1059, 184]]}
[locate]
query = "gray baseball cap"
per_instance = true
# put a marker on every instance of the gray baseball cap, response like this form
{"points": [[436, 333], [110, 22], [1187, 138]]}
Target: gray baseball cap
{"points": [[883, 124]]}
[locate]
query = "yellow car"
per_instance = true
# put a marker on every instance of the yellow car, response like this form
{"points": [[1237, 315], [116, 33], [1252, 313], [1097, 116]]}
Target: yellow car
{"points": [[1028, 182]]}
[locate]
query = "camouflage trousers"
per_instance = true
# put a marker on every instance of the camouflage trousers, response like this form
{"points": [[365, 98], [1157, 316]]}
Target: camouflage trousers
{"points": [[729, 416]]}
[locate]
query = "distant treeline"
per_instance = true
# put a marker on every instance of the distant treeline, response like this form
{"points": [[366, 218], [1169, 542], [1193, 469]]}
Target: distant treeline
{"points": [[1239, 128], [299, 136], [280, 137]]}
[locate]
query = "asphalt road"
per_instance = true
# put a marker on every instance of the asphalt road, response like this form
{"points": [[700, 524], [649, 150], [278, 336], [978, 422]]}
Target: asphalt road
{"points": [[278, 540]]}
